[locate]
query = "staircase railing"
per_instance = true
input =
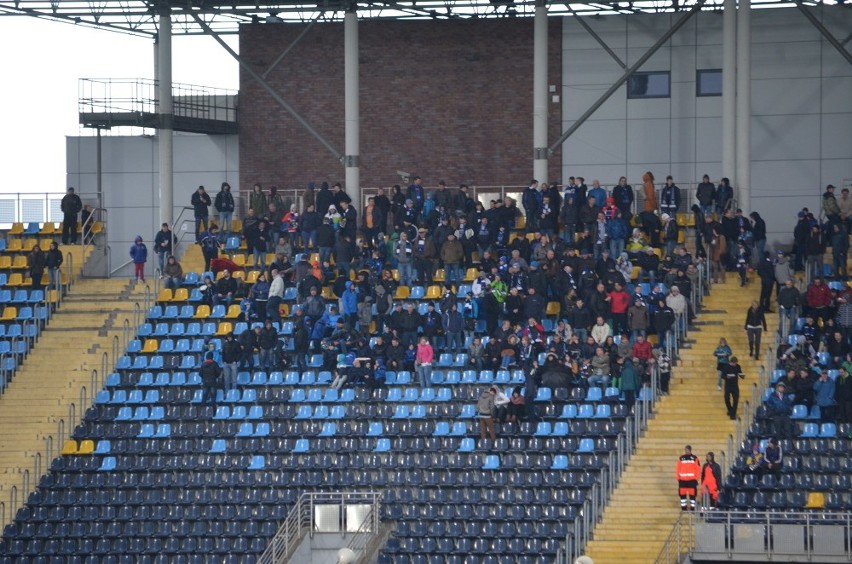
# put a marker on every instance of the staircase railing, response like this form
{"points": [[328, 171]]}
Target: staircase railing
{"points": [[93, 227], [177, 231], [301, 520], [602, 490], [362, 541], [680, 541]]}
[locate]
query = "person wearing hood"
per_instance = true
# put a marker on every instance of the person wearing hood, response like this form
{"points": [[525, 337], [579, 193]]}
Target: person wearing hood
{"points": [[349, 304], [758, 236], [139, 254]]}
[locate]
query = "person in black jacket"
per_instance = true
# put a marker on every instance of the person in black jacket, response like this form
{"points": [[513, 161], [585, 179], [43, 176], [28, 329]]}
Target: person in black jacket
{"points": [[732, 373], [766, 272], [664, 319], [268, 342], [324, 198], [37, 261], [758, 235], [71, 205], [301, 341], [232, 352], [225, 289], [210, 379], [52, 261], [755, 324], [200, 203], [224, 205]]}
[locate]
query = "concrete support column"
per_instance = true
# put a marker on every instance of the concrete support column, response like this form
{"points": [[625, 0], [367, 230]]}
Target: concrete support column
{"points": [[729, 91], [743, 182], [351, 157], [540, 94], [165, 134]]}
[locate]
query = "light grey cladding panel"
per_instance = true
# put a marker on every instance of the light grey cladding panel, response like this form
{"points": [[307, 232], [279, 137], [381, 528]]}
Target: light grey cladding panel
{"points": [[683, 140], [782, 138], [837, 94], [836, 135], [601, 143], [771, 26], [650, 108], [648, 141], [785, 60], [578, 99], [784, 177], [612, 29], [783, 96], [709, 140]]}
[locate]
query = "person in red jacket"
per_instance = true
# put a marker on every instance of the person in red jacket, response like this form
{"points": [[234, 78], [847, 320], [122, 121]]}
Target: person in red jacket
{"points": [[619, 303], [642, 348], [687, 471], [818, 299]]}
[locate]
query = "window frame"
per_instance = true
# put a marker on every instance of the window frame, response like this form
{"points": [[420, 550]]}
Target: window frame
{"points": [[667, 74], [698, 73]]}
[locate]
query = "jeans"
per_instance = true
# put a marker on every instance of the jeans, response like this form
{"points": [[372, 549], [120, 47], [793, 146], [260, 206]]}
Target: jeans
{"points": [[568, 231], [424, 373], [601, 380], [267, 358], [324, 254], [599, 247], [670, 245], [453, 341], [651, 274], [229, 371], [453, 272], [273, 309], [759, 249], [616, 247], [309, 238], [406, 273], [161, 260], [259, 257], [172, 283], [225, 225], [199, 221], [55, 278]]}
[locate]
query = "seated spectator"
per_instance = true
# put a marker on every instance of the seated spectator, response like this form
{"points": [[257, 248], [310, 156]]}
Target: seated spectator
{"points": [[642, 349], [600, 330], [601, 369], [516, 409], [755, 461], [773, 458], [225, 289], [476, 353], [173, 274], [501, 406]]}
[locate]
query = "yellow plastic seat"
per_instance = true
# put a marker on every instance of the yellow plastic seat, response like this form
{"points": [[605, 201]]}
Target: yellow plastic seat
{"points": [[634, 274], [165, 295], [270, 258], [52, 296], [202, 312], [45, 243], [284, 310], [635, 221], [252, 276], [553, 308], [530, 237], [5, 262], [181, 295], [233, 311], [402, 293], [15, 279], [224, 328], [48, 228], [97, 228], [440, 275], [512, 237], [658, 252], [239, 259], [521, 222], [314, 258], [19, 262], [681, 237], [28, 244], [14, 246], [470, 274], [680, 218], [9, 314], [433, 293], [151, 346], [69, 448], [690, 220], [395, 275], [17, 229], [239, 274], [816, 500], [86, 447]]}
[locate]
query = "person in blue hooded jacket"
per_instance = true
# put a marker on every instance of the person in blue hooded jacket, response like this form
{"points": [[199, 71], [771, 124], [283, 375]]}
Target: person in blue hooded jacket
{"points": [[349, 301], [139, 254]]}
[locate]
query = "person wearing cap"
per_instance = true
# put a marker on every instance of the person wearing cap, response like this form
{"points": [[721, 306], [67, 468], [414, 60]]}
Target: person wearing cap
{"points": [[71, 205], [139, 256], [485, 411], [687, 472]]}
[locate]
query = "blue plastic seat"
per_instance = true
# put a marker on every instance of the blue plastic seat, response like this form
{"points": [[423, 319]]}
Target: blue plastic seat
{"points": [[383, 445], [467, 445], [329, 429], [594, 394], [459, 429], [492, 462], [258, 462], [586, 445], [585, 411], [376, 429], [799, 412], [543, 394], [442, 429], [603, 411], [560, 462], [810, 430], [468, 411], [828, 430], [542, 429], [302, 445], [316, 361]]}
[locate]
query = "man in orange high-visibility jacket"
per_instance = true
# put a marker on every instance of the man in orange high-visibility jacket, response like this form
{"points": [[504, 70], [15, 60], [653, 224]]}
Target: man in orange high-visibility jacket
{"points": [[687, 472], [711, 480]]}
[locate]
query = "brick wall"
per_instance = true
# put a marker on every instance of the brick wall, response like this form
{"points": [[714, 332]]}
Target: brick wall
{"points": [[442, 99]]}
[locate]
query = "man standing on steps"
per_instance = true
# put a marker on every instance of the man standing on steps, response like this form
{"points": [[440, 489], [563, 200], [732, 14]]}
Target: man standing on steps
{"points": [[732, 373], [71, 206], [687, 472]]}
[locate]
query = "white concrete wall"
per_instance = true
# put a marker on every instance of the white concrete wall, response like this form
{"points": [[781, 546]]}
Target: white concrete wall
{"points": [[130, 187], [801, 102]]}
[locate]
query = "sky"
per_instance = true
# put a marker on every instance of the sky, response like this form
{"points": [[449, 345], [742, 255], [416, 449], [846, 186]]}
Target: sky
{"points": [[40, 66]]}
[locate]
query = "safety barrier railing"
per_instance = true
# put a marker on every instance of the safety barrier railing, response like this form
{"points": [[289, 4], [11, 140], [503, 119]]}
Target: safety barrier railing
{"points": [[302, 520], [361, 543], [602, 490], [679, 541], [179, 229]]}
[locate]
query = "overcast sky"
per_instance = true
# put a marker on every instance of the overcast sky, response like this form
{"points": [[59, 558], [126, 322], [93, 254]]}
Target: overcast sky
{"points": [[40, 66]]}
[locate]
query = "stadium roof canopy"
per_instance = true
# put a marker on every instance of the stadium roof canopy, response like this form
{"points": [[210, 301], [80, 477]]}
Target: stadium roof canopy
{"points": [[139, 17]]}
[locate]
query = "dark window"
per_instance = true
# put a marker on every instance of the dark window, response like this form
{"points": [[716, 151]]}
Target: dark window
{"points": [[708, 82], [649, 85]]}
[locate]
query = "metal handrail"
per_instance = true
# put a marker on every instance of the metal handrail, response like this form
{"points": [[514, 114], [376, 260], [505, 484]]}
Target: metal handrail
{"points": [[180, 222], [122, 265], [105, 365], [69, 260], [679, 541], [300, 521]]}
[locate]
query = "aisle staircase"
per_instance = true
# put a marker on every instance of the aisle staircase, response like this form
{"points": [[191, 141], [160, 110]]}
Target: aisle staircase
{"points": [[50, 379], [645, 506]]}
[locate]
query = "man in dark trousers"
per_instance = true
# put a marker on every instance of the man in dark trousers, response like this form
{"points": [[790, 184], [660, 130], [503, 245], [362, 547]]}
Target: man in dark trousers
{"points": [[201, 209], [732, 373], [71, 206], [687, 471], [210, 376]]}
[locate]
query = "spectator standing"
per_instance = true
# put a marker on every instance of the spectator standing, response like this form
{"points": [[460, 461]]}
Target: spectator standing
{"points": [[705, 194], [711, 477], [423, 360], [210, 246], [623, 196], [724, 195], [718, 252], [839, 249], [210, 379], [453, 323], [755, 324], [732, 373], [164, 242], [268, 342], [814, 250], [201, 210], [485, 410], [766, 272], [670, 198], [231, 354], [139, 255], [687, 471], [36, 263], [225, 206], [758, 232], [257, 201], [53, 261], [824, 397], [723, 357], [71, 205]]}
